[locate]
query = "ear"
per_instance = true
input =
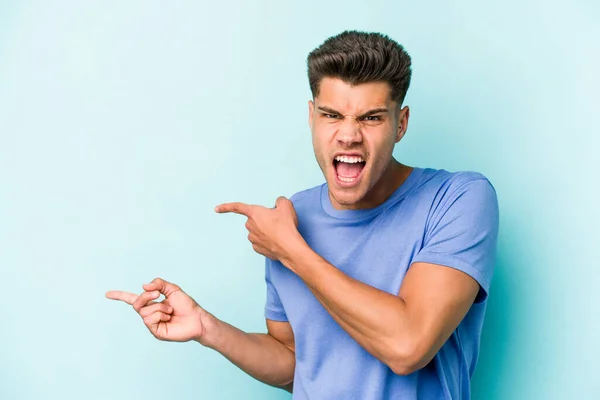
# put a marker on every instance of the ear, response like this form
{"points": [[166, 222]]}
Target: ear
{"points": [[311, 112], [403, 116]]}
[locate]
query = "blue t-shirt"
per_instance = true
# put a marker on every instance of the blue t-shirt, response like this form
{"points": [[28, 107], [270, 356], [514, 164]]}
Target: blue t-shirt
{"points": [[435, 216]]}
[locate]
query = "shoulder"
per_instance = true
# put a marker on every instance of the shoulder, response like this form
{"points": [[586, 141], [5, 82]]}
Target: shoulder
{"points": [[445, 184], [443, 178], [447, 193], [307, 198]]}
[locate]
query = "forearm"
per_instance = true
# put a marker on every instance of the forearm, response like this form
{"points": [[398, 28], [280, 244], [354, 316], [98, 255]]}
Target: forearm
{"points": [[378, 321], [259, 355]]}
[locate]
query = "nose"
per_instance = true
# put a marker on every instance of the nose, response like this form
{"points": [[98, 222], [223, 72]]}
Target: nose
{"points": [[349, 132]]}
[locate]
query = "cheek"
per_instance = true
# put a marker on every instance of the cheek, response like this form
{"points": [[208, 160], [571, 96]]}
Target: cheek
{"points": [[316, 147], [324, 131], [319, 150], [321, 140], [382, 153]]}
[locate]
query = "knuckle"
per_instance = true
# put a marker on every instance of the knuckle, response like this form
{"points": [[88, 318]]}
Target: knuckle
{"points": [[141, 300], [141, 303], [148, 310]]}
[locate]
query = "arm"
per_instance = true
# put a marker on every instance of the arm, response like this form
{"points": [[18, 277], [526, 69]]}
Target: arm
{"points": [[406, 330], [270, 357], [403, 331]]}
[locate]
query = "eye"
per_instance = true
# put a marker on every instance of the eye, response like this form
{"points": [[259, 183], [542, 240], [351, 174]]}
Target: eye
{"points": [[372, 118], [330, 116]]}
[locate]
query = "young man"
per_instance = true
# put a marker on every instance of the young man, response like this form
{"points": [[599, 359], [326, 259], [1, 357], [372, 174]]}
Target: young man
{"points": [[377, 280]]}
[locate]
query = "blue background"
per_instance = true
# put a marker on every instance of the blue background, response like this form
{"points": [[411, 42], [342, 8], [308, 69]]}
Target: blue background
{"points": [[122, 124]]}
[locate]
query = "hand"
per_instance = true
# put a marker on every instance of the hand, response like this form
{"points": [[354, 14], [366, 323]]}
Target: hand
{"points": [[178, 318], [272, 231]]}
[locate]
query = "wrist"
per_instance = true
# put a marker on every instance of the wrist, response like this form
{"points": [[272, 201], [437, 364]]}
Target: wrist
{"points": [[209, 334], [295, 251]]}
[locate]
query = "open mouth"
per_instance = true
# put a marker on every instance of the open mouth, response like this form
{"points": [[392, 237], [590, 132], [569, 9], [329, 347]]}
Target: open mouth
{"points": [[348, 168]]}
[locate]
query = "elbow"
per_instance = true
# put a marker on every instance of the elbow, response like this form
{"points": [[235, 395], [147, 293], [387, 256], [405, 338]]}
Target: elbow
{"points": [[403, 368], [407, 358]]}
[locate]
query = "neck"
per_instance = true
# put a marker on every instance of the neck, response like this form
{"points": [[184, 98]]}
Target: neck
{"points": [[394, 176]]}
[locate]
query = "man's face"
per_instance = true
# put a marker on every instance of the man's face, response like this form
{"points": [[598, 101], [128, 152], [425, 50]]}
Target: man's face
{"points": [[354, 130]]}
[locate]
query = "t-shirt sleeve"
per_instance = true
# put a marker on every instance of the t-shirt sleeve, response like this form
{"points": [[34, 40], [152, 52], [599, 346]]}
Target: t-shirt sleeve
{"points": [[273, 308], [462, 232]]}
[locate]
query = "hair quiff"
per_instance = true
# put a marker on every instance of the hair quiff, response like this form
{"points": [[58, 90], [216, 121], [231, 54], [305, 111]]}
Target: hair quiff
{"points": [[361, 57]]}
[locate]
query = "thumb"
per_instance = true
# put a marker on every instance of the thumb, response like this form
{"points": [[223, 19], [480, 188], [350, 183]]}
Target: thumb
{"points": [[164, 287], [282, 202]]}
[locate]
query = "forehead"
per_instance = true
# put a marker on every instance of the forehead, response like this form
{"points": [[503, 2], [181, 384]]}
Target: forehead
{"points": [[346, 98]]}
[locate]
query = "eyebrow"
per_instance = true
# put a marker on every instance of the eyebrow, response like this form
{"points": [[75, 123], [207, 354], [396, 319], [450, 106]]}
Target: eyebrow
{"points": [[368, 113]]}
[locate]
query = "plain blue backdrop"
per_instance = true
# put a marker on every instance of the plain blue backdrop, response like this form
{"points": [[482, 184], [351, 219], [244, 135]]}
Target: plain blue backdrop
{"points": [[122, 124]]}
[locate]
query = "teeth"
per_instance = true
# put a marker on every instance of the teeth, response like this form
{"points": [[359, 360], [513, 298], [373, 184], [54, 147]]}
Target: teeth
{"points": [[349, 159], [348, 180]]}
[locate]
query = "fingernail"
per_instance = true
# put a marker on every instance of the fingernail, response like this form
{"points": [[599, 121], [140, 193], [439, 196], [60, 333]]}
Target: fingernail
{"points": [[155, 293], [170, 309]]}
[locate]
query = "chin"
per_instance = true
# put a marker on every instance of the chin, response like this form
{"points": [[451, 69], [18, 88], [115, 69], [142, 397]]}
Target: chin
{"points": [[345, 197]]}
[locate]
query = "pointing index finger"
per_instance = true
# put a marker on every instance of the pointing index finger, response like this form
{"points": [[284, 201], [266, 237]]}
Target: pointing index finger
{"points": [[127, 297], [237, 208]]}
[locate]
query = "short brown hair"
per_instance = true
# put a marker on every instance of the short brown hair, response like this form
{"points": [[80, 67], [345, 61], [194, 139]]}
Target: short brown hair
{"points": [[360, 57]]}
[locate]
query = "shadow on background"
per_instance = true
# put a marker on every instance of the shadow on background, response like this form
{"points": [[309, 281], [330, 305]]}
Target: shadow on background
{"points": [[501, 328]]}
